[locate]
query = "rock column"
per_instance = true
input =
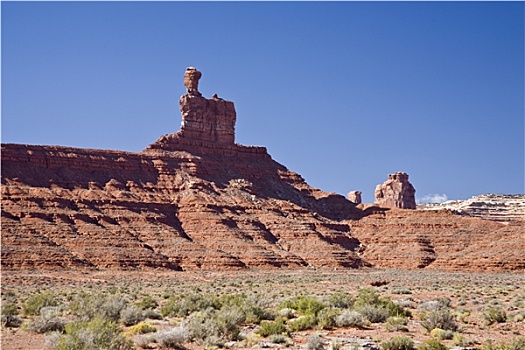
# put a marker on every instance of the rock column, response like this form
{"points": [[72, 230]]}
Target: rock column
{"points": [[211, 120], [396, 192]]}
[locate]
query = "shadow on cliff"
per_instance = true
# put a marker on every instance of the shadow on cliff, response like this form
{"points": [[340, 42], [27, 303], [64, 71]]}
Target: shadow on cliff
{"points": [[72, 168], [268, 179]]}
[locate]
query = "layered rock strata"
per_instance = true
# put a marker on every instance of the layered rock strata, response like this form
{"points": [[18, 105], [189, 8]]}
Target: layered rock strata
{"points": [[397, 192], [75, 207], [193, 199], [196, 200], [438, 239], [496, 207]]}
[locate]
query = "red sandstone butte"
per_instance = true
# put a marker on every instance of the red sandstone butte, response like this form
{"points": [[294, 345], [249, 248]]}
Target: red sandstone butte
{"points": [[197, 200]]}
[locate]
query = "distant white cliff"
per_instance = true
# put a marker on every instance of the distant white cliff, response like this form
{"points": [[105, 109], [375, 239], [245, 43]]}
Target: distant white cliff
{"points": [[496, 207]]}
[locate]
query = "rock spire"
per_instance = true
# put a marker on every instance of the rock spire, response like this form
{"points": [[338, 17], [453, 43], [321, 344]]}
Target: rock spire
{"points": [[191, 81], [208, 123], [396, 192]]}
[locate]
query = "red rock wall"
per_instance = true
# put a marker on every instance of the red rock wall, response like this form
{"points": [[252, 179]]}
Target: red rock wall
{"points": [[65, 207]]}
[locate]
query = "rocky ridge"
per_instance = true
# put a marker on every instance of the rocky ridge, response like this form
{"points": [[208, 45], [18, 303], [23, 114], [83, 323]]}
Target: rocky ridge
{"points": [[496, 207], [196, 200]]}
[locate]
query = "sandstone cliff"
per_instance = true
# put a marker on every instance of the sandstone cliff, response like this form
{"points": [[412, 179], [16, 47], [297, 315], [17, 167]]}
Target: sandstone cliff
{"points": [[196, 200], [496, 207], [438, 239]]}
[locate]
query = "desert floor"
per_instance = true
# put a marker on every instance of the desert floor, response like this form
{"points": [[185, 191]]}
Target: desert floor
{"points": [[471, 295]]}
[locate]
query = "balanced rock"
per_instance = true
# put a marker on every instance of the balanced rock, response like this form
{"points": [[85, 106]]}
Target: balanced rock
{"points": [[191, 81], [207, 124], [354, 197], [396, 192]]}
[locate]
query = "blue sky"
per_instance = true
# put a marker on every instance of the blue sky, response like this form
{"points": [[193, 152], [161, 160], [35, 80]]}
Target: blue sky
{"points": [[341, 92]]}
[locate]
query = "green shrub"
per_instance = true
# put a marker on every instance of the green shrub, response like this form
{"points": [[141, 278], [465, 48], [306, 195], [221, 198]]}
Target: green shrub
{"points": [[302, 323], [517, 344], [373, 313], [214, 327], [89, 306], [441, 334], [495, 315], [148, 302], [49, 320], [369, 297], [286, 313], [440, 318], [489, 345], [149, 313], [219, 321], [341, 300], [228, 321], [272, 327], [140, 328], [314, 343], [10, 312], [459, 340], [95, 334], [398, 343], [201, 327], [35, 302], [172, 338], [432, 344], [351, 319], [280, 339], [326, 318], [253, 313], [184, 305], [9, 308], [131, 315], [444, 301], [304, 305], [396, 324]]}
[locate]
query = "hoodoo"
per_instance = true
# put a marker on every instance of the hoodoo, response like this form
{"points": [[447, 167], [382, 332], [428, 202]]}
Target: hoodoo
{"points": [[208, 125], [396, 192]]}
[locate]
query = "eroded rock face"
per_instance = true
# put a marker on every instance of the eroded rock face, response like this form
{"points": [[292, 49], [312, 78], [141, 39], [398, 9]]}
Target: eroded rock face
{"points": [[67, 207], [196, 200], [209, 120], [396, 192], [396, 238]]}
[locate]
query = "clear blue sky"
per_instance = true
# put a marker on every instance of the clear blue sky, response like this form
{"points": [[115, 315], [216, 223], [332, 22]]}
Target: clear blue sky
{"points": [[342, 93]]}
